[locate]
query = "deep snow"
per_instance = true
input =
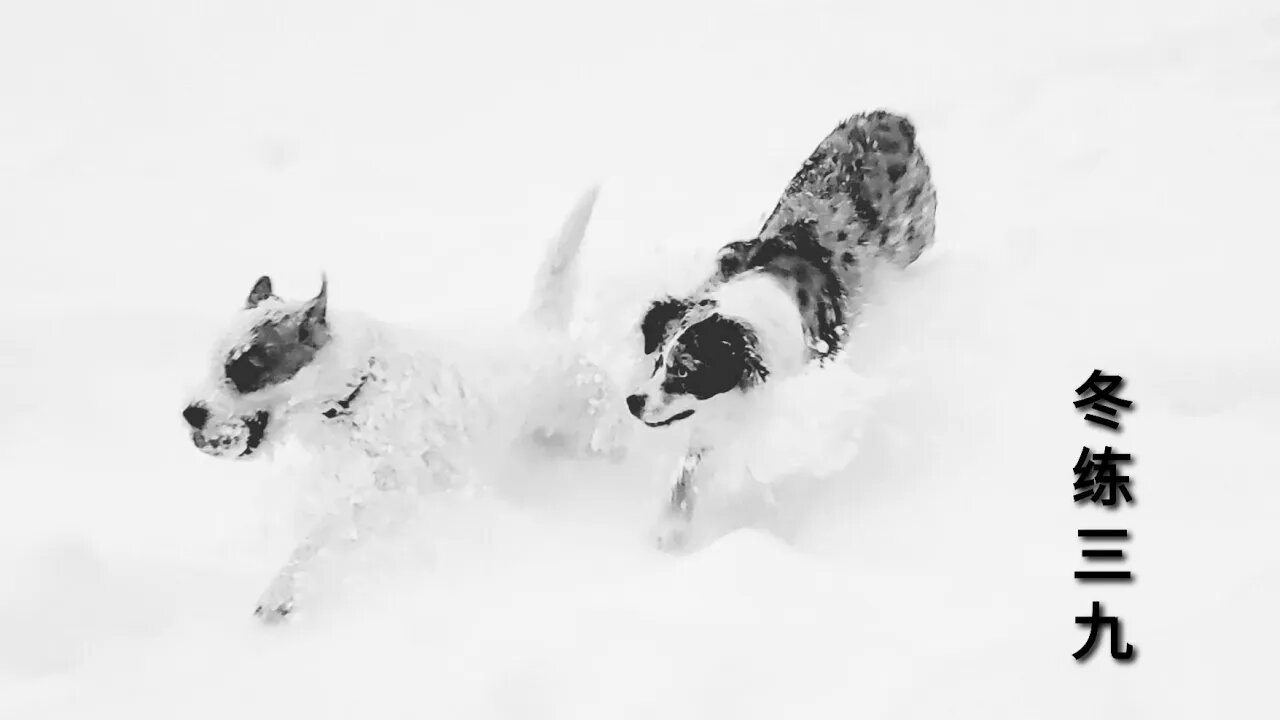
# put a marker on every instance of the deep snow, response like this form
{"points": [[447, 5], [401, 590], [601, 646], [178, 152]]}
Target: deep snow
{"points": [[1105, 173]]}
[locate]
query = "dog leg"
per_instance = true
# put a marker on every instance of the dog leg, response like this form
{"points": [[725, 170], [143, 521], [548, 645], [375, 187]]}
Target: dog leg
{"points": [[673, 528], [342, 529], [277, 601]]}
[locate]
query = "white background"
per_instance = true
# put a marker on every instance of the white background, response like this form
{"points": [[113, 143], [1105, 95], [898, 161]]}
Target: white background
{"points": [[1106, 177]]}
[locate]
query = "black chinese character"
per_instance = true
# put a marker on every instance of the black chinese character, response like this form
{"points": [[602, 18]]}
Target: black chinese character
{"points": [[1103, 388], [1096, 622], [1100, 479], [1093, 575]]}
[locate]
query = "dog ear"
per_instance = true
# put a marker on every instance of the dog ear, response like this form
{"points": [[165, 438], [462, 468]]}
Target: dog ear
{"points": [[261, 291], [313, 326], [735, 258], [657, 320]]}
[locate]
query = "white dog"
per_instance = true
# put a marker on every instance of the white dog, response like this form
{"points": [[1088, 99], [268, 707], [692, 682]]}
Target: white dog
{"points": [[416, 413]]}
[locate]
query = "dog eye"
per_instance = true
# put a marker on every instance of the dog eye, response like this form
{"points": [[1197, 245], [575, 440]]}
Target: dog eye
{"points": [[679, 371], [247, 371]]}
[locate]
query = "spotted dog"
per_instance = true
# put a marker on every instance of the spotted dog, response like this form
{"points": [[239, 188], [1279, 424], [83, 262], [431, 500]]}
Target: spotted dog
{"points": [[787, 297], [412, 411]]}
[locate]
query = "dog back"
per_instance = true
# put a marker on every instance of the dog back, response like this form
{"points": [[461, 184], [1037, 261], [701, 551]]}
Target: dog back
{"points": [[863, 196]]}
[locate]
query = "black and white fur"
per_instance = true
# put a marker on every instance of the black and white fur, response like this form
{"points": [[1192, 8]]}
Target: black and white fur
{"points": [[411, 411], [786, 297], [709, 364]]}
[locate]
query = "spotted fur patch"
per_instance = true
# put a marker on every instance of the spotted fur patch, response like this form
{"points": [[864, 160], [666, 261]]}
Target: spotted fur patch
{"points": [[864, 193]]}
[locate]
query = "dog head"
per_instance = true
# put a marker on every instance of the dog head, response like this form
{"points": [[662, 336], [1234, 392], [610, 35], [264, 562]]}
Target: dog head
{"points": [[697, 354], [257, 371]]}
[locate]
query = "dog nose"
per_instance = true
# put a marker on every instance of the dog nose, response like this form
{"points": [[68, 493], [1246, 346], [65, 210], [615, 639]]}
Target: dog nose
{"points": [[196, 416], [635, 403]]}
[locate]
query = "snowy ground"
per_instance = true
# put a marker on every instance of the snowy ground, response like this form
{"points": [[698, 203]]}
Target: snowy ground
{"points": [[1105, 173]]}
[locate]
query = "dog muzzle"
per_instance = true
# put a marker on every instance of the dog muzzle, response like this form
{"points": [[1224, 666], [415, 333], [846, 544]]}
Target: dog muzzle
{"points": [[238, 437]]}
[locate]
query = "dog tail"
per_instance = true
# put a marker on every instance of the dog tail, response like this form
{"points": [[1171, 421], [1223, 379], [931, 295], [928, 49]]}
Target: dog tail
{"points": [[555, 285]]}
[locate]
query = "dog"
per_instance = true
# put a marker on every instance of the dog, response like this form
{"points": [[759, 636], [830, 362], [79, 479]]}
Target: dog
{"points": [[411, 413], [778, 302]]}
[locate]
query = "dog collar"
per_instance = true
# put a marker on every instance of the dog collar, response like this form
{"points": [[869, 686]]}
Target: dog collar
{"points": [[343, 406]]}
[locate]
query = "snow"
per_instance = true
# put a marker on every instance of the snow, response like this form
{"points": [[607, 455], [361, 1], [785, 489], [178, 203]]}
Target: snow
{"points": [[1105, 173]]}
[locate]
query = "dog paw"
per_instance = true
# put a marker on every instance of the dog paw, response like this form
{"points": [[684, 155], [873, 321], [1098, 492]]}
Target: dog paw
{"points": [[273, 615], [276, 602], [672, 534]]}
